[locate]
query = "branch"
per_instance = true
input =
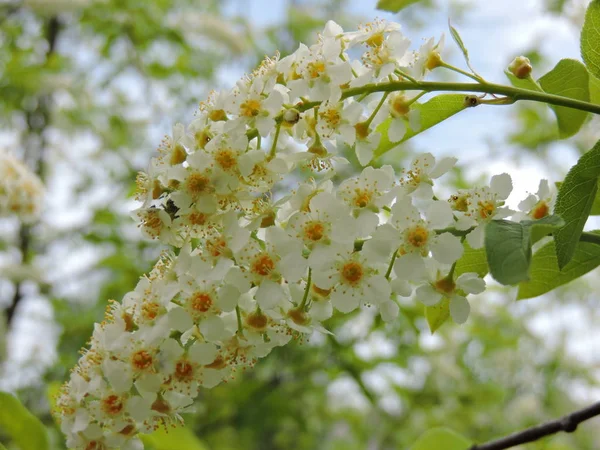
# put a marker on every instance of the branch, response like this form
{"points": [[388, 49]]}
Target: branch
{"points": [[568, 424], [37, 121]]}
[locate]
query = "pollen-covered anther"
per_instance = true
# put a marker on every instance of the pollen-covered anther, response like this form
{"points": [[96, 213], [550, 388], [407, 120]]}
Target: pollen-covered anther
{"points": [[197, 218], [201, 302], [198, 183], [184, 370], [263, 265], [362, 197], [331, 116], [352, 273], [141, 360], [112, 405], [149, 310], [226, 159], [486, 209], [314, 231], [250, 108], [316, 68], [417, 236]]}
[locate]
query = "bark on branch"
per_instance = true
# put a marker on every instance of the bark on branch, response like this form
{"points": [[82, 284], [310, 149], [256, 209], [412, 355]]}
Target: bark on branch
{"points": [[568, 424]]}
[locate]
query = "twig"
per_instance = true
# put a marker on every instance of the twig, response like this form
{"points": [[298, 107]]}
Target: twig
{"points": [[37, 121], [568, 424]]}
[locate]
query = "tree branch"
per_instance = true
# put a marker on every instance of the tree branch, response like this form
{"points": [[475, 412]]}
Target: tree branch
{"points": [[37, 122], [568, 424]]}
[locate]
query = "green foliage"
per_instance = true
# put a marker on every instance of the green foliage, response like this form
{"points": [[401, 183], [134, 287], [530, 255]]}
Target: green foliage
{"points": [[569, 78], [432, 112], [394, 5], [508, 246], [172, 439], [546, 274], [594, 90], [441, 438], [437, 315], [472, 260], [590, 38], [574, 203], [456, 36], [24, 428]]}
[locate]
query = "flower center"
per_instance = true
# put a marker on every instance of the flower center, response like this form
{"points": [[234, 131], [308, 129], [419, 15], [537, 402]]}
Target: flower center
{"points": [[316, 68], [540, 210], [257, 320], [314, 231], [197, 218], [178, 156], [250, 108], [184, 371], [201, 301], [112, 405], [352, 273], [263, 265], [197, 183], [445, 286], [362, 197], [216, 247], [486, 209], [150, 310], [332, 117], [400, 106], [226, 159], [417, 236], [141, 360], [375, 40], [299, 316]]}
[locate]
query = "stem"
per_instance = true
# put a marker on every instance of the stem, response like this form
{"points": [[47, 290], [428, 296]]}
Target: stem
{"points": [[590, 237], [568, 424], [389, 270], [514, 93], [238, 313], [460, 71], [308, 282], [376, 110], [275, 139]]}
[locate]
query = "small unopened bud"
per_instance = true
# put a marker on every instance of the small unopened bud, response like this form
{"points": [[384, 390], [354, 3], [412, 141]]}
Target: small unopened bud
{"points": [[291, 116], [520, 67]]}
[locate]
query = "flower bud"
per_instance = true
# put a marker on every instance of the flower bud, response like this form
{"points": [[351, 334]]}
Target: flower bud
{"points": [[520, 67]]}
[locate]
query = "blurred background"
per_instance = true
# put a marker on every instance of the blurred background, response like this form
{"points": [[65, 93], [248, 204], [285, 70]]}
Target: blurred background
{"points": [[87, 90]]}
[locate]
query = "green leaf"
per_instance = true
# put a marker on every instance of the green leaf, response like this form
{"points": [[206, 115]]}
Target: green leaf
{"points": [[26, 430], [172, 439], [545, 274], [432, 112], [394, 5], [594, 90], [508, 250], [590, 38], [441, 438], [456, 36], [569, 78], [437, 314], [595, 211], [508, 246], [472, 260], [574, 202]]}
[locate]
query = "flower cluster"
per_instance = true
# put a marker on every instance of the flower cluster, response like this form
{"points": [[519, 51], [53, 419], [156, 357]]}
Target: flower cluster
{"points": [[255, 266], [21, 191]]}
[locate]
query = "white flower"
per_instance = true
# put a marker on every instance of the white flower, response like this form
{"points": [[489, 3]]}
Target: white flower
{"points": [[418, 180], [352, 279], [537, 206], [481, 205], [468, 283]]}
